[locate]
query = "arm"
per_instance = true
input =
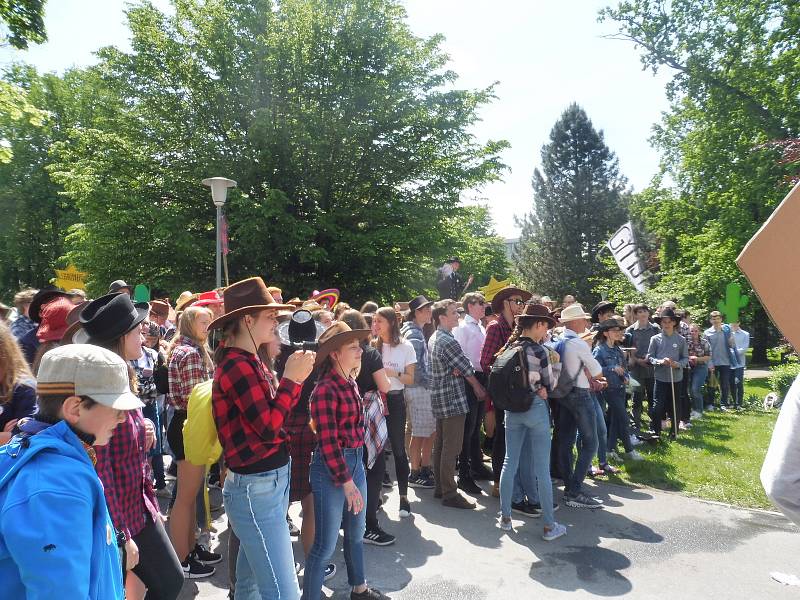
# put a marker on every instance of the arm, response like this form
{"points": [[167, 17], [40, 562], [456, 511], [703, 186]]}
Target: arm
{"points": [[652, 351], [381, 380], [62, 572], [589, 361], [491, 345], [108, 458], [780, 474], [683, 356], [600, 355], [265, 413], [407, 376], [323, 411]]}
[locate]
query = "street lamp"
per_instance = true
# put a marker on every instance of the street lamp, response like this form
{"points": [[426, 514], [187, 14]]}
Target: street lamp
{"points": [[219, 192]]}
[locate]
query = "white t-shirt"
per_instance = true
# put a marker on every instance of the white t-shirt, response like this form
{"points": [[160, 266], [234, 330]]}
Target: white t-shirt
{"points": [[398, 358]]}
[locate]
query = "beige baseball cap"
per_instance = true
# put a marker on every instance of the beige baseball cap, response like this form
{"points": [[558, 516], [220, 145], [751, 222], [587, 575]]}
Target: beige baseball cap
{"points": [[87, 370]]}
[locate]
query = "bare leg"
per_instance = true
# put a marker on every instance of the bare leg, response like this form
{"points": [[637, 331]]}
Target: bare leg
{"points": [[134, 588], [182, 517]]}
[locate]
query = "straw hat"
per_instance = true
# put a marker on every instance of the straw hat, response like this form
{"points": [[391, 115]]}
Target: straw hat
{"points": [[572, 313]]}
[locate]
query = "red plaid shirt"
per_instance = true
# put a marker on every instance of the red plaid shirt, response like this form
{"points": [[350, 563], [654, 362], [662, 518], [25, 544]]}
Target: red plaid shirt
{"points": [[185, 371], [125, 472], [249, 412], [337, 411], [497, 334]]}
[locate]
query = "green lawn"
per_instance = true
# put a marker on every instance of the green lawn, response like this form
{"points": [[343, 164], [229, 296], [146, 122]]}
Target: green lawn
{"points": [[718, 459]]}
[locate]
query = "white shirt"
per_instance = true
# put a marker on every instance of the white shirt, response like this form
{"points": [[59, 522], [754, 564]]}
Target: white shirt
{"points": [[470, 335], [576, 352], [398, 358]]}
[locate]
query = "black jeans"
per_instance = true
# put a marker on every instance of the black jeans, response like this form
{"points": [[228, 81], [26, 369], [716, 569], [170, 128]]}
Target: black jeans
{"points": [[159, 567], [724, 378], [471, 455], [663, 391], [374, 483], [396, 424]]}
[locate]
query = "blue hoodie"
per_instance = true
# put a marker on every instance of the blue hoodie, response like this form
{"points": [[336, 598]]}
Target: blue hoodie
{"points": [[56, 536]]}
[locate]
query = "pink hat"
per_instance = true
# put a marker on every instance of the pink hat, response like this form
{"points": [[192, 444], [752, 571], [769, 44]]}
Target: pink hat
{"points": [[53, 322], [207, 298]]}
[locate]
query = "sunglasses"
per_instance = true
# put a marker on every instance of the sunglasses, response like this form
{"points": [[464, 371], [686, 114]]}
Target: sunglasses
{"points": [[518, 302]]}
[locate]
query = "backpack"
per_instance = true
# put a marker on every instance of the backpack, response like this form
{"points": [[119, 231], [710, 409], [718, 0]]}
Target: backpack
{"points": [[565, 381], [508, 380]]}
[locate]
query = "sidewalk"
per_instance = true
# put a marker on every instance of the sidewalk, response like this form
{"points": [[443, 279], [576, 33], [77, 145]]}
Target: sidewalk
{"points": [[644, 544]]}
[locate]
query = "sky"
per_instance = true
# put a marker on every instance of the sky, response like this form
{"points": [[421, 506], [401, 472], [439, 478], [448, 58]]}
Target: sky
{"points": [[544, 54]]}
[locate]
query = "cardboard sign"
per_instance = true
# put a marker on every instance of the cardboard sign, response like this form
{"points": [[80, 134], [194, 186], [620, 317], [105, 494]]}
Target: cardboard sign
{"points": [[771, 262], [71, 279], [490, 289]]}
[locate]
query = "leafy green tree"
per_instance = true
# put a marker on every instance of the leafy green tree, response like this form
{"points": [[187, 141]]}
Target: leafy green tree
{"points": [[23, 22], [579, 200], [733, 97], [347, 136]]}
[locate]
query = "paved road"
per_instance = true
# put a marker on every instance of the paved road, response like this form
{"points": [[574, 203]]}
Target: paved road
{"points": [[645, 544]]}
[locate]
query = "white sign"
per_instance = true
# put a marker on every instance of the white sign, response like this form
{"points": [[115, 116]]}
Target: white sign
{"points": [[623, 248]]}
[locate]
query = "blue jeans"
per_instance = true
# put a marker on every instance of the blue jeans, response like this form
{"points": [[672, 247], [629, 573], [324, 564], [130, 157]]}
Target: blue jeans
{"points": [[528, 435], [152, 412], [330, 514], [737, 386], [256, 506], [699, 376], [601, 430], [617, 419], [577, 413]]}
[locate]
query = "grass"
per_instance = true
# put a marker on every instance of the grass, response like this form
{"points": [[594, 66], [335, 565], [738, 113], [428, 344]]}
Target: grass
{"points": [[719, 458]]}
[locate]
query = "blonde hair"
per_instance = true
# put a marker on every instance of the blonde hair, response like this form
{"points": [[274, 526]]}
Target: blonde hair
{"points": [[186, 328], [13, 366]]}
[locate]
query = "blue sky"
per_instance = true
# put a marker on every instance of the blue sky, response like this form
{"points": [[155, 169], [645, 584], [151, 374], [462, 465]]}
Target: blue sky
{"points": [[544, 54]]}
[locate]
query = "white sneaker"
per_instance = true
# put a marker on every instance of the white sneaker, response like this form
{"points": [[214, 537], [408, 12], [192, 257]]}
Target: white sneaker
{"points": [[695, 415], [634, 455], [554, 533], [635, 441]]}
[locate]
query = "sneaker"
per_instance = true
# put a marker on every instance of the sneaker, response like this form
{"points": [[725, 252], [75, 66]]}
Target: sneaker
{"points": [[695, 415], [164, 492], [555, 532], [633, 455], [369, 594], [596, 471], [387, 483], [723, 408], [417, 479], [635, 441], [526, 509], [609, 469], [537, 506], [457, 501], [378, 537], [504, 523], [581, 500], [204, 556], [405, 508], [469, 486], [329, 572], [294, 530], [194, 569]]}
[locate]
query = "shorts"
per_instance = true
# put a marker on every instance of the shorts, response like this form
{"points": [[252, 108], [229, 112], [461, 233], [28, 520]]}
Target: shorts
{"points": [[302, 441], [175, 434], [423, 423]]}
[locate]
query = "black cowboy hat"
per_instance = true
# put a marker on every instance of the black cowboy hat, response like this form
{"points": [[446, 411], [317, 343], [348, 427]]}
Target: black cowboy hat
{"points": [[41, 298], [610, 324], [600, 307], [537, 311], [302, 327], [118, 285], [109, 317], [668, 313], [418, 303]]}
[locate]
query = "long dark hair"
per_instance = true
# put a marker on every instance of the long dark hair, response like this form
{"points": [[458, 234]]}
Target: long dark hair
{"points": [[387, 312]]}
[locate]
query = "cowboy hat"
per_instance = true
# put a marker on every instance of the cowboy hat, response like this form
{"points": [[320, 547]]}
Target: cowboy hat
{"points": [[326, 298], [418, 303], [573, 312], [208, 298], [74, 322], [302, 327], [610, 324], [117, 286], [601, 306], [502, 295], [536, 311], [668, 313], [336, 336], [160, 308], [185, 302], [109, 317], [245, 298]]}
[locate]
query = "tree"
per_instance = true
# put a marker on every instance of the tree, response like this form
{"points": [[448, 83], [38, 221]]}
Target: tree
{"points": [[348, 139], [579, 200], [733, 108], [24, 20]]}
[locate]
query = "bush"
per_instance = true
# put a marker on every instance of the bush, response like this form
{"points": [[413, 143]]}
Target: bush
{"points": [[782, 378]]}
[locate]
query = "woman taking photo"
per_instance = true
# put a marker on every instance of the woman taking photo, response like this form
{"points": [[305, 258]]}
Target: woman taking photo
{"points": [[17, 386], [250, 410], [114, 322], [338, 481], [399, 360], [188, 363]]}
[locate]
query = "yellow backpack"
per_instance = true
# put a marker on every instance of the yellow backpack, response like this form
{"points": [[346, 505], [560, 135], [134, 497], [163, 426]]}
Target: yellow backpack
{"points": [[200, 441]]}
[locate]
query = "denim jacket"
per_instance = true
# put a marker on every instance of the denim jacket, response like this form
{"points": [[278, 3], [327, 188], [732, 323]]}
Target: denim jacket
{"points": [[413, 333], [609, 358]]}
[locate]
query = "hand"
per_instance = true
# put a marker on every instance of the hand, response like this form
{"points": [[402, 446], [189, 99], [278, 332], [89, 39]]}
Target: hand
{"points": [[149, 435], [10, 426], [542, 393], [131, 554], [470, 279], [456, 373], [391, 372], [619, 371], [299, 365], [480, 393], [355, 503]]}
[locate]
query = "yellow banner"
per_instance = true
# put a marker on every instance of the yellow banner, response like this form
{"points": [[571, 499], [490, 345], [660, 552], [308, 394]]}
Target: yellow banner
{"points": [[70, 278]]}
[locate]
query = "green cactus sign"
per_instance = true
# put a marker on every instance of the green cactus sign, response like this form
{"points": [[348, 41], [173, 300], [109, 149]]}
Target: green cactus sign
{"points": [[733, 303]]}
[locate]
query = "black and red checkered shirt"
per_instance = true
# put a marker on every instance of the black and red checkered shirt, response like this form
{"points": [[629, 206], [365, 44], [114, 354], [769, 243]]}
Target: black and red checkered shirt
{"points": [[337, 411], [250, 412]]}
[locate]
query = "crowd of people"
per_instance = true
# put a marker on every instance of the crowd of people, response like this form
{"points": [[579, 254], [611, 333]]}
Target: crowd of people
{"points": [[111, 409]]}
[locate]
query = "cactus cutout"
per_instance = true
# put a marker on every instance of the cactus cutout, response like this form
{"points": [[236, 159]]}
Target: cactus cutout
{"points": [[733, 303]]}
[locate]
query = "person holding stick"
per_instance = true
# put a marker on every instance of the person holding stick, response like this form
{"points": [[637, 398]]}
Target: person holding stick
{"points": [[669, 354]]}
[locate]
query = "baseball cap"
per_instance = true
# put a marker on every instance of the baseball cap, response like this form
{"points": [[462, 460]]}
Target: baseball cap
{"points": [[87, 370]]}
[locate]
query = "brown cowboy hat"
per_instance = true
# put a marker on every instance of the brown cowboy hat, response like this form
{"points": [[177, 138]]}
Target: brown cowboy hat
{"points": [[160, 308], [502, 295], [244, 298], [336, 336], [537, 311]]}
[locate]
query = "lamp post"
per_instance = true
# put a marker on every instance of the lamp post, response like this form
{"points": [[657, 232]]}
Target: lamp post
{"points": [[219, 193]]}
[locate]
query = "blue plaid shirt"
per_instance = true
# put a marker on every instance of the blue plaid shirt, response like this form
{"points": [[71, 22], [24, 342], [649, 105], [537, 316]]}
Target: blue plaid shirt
{"points": [[448, 394]]}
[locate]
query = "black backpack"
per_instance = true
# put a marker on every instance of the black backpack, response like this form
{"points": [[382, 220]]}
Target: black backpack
{"points": [[508, 379]]}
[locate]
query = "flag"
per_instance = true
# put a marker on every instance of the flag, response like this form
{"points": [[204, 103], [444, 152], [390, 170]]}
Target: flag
{"points": [[224, 234], [623, 247]]}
